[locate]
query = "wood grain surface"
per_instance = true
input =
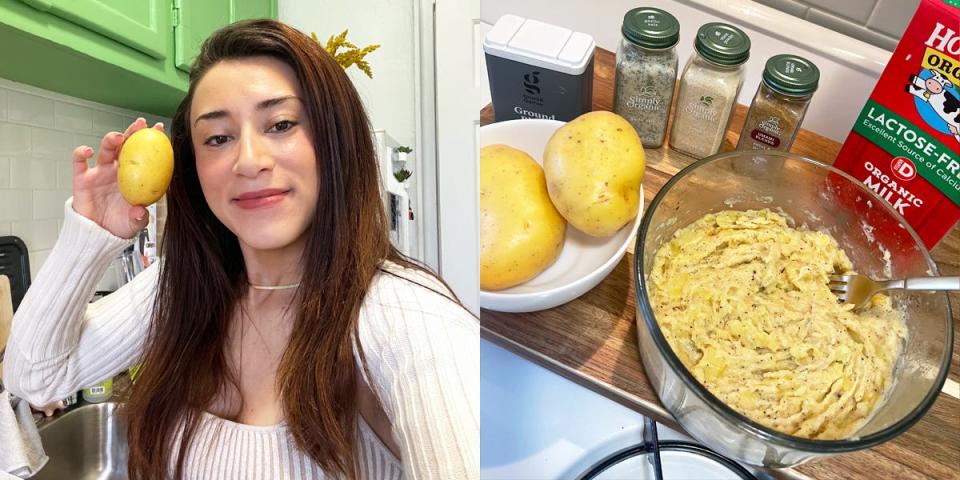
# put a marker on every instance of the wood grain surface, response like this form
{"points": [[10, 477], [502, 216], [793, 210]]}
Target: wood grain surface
{"points": [[6, 315], [592, 340], [6, 310]]}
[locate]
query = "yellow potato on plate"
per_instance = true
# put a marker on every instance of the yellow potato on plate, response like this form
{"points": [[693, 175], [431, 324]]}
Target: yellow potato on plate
{"points": [[594, 165], [521, 233]]}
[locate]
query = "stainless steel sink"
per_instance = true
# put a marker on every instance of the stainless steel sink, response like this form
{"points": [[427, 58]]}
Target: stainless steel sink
{"points": [[88, 442]]}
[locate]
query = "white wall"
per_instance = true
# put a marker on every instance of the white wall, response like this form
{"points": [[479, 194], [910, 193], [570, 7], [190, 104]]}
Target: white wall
{"points": [[877, 22], [389, 95], [849, 68], [38, 131]]}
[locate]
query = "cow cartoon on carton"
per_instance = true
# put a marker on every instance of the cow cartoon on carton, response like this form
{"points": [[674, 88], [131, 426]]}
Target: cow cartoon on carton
{"points": [[934, 89]]}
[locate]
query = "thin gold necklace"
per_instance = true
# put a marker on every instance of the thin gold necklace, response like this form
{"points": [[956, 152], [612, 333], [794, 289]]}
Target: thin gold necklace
{"points": [[275, 287]]}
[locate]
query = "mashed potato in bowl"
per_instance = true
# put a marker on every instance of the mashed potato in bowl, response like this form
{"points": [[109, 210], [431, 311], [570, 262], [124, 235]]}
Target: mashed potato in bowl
{"points": [[743, 300]]}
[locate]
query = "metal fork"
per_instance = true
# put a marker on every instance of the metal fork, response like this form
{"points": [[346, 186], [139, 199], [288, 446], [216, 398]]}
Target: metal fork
{"points": [[858, 289]]}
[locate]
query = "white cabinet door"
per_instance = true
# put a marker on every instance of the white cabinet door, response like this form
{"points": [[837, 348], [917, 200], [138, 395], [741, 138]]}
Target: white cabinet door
{"points": [[456, 120]]}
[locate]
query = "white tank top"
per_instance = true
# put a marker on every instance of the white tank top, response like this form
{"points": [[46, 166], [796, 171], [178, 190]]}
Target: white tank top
{"points": [[223, 449]]}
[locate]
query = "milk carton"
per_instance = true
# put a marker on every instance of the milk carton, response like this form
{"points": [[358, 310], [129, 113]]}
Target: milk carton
{"points": [[905, 145]]}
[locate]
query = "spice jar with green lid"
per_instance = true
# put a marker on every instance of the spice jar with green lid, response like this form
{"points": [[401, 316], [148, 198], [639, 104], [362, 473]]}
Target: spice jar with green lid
{"points": [[647, 72], [709, 87], [780, 104]]}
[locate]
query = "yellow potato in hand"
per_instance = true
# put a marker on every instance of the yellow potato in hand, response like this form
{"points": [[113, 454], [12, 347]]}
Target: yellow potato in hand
{"points": [[145, 166], [594, 165], [521, 233]]}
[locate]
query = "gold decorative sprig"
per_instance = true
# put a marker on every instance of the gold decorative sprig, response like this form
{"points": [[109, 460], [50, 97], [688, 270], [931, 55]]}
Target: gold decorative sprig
{"points": [[352, 54]]}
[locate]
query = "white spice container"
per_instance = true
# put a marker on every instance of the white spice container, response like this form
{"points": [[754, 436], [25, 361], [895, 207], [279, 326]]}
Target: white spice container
{"points": [[708, 91], [538, 70]]}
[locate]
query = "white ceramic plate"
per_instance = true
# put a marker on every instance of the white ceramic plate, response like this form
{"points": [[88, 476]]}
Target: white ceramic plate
{"points": [[676, 466], [584, 261]]}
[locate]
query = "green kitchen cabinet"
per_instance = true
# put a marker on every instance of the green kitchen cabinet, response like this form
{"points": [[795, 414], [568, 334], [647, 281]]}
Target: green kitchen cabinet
{"points": [[139, 24], [132, 54], [198, 19]]}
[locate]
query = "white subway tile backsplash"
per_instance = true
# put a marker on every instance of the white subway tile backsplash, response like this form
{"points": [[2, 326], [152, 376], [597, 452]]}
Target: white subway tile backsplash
{"points": [[14, 139], [878, 22], [37, 234], [856, 10], [851, 29], [49, 203], [4, 172], [105, 122], [16, 205], [892, 16], [38, 132], [792, 7], [29, 109], [53, 144], [64, 175], [74, 118], [33, 173]]}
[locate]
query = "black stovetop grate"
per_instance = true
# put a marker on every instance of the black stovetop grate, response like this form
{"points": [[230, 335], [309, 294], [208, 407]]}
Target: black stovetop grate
{"points": [[15, 264]]}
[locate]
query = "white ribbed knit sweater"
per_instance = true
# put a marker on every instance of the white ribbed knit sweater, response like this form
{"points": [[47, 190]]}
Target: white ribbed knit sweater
{"points": [[422, 351]]}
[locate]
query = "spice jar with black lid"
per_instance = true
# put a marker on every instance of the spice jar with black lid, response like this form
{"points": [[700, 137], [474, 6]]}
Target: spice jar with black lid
{"points": [[647, 72], [709, 86], [781, 102]]}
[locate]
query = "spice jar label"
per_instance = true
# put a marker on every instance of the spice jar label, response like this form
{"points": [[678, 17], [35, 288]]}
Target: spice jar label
{"points": [[768, 133], [702, 108], [647, 100], [771, 125], [765, 139]]}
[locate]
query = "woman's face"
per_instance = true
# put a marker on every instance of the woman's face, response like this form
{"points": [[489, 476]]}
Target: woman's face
{"points": [[254, 151]]}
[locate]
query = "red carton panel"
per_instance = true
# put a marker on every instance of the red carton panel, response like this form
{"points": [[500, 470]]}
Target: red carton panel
{"points": [[905, 145]]}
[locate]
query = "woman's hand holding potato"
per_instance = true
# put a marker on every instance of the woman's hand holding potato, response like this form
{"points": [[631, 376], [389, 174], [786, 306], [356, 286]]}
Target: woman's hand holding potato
{"points": [[96, 194]]}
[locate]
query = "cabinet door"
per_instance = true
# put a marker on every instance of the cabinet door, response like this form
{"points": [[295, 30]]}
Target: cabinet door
{"points": [[141, 24], [457, 92], [194, 21]]}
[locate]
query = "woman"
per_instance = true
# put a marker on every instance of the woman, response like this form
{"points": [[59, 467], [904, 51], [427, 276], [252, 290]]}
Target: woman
{"points": [[281, 335]]}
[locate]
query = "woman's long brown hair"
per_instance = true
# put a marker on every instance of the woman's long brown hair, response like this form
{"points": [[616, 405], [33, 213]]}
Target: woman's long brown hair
{"points": [[203, 278]]}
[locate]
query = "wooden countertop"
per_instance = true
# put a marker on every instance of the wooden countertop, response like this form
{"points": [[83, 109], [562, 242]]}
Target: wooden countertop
{"points": [[593, 340]]}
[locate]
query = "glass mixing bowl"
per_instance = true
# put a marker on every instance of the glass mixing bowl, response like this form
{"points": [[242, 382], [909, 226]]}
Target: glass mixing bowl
{"points": [[878, 241]]}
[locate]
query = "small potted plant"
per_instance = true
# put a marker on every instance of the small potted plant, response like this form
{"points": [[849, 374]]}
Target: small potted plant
{"points": [[402, 175], [402, 152]]}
